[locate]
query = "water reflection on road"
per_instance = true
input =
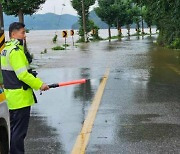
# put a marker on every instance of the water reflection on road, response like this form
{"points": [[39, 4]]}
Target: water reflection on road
{"points": [[140, 107]]}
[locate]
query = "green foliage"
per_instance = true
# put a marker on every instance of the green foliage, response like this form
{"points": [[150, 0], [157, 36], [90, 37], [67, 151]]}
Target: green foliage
{"points": [[118, 13], [107, 11], [137, 17], [120, 19], [89, 26], [77, 5], [58, 48], [129, 15], [55, 38], [95, 28], [121, 13], [65, 45], [175, 44], [80, 40], [44, 52], [29, 7], [166, 16]]}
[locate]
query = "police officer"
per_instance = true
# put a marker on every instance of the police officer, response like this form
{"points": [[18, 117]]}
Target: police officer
{"points": [[19, 82]]}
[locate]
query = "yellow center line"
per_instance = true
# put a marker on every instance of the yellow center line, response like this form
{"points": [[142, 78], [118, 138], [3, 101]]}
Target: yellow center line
{"points": [[174, 69], [83, 137]]}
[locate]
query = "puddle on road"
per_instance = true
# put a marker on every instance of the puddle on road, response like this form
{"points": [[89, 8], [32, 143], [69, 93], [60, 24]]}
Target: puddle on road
{"points": [[60, 113]]}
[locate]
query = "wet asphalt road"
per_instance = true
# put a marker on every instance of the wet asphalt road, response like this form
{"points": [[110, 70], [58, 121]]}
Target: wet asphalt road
{"points": [[140, 108]]}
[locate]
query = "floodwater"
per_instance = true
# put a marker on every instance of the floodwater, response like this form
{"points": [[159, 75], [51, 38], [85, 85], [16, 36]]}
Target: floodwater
{"points": [[139, 111]]}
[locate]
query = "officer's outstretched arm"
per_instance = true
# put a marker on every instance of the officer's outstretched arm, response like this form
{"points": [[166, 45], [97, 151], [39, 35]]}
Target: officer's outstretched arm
{"points": [[19, 65]]}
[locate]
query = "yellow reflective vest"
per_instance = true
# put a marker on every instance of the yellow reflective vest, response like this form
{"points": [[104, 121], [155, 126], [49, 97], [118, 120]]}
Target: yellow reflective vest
{"points": [[15, 66]]}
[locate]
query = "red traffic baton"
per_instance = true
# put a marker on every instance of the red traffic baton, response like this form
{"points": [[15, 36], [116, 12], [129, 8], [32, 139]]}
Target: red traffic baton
{"points": [[62, 84]]}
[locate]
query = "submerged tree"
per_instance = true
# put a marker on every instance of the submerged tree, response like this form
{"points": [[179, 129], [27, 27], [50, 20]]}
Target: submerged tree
{"points": [[121, 15], [129, 15], [166, 16], [108, 13], [137, 18], [148, 18], [140, 3], [77, 5]]}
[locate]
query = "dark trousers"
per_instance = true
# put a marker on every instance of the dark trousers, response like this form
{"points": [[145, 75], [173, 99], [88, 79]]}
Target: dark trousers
{"points": [[19, 121]]}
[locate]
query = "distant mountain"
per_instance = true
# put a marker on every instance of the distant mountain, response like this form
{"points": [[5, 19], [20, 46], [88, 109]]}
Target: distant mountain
{"points": [[51, 21], [99, 22], [96, 19], [48, 21]]}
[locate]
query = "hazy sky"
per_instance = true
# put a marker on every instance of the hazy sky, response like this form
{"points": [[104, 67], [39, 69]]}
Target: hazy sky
{"points": [[56, 6]]}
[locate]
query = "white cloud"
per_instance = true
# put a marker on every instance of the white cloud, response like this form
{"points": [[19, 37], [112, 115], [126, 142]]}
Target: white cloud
{"points": [[56, 6]]}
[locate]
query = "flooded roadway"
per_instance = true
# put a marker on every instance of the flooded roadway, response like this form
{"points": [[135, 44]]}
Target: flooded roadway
{"points": [[140, 108]]}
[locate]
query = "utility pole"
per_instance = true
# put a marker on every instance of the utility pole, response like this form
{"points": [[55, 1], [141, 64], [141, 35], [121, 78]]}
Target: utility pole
{"points": [[84, 21], [2, 36]]}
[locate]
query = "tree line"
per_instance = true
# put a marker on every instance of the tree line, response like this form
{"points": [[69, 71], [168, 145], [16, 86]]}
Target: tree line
{"points": [[115, 13], [164, 14]]}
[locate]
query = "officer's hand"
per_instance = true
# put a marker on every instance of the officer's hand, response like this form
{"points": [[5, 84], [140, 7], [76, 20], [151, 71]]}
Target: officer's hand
{"points": [[44, 87]]}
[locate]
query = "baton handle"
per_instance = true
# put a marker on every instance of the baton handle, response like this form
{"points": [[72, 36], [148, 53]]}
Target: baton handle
{"points": [[53, 85]]}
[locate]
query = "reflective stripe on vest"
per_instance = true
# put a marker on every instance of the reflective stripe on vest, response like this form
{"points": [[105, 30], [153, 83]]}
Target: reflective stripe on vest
{"points": [[9, 75]]}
